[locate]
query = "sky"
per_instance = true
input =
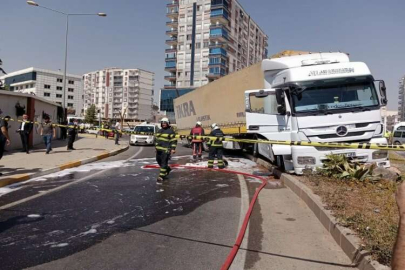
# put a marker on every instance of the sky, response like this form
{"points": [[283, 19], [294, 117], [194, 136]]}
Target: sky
{"points": [[133, 34]]}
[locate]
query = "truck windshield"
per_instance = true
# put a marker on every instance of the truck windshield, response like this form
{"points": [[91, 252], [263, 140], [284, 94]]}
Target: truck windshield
{"points": [[335, 95], [144, 129]]}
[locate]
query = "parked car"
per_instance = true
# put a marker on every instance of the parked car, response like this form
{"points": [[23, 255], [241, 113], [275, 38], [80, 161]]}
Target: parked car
{"points": [[398, 137], [148, 138], [92, 130]]}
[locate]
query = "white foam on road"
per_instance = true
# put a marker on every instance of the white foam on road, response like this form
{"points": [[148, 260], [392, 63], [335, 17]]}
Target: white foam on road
{"points": [[8, 189], [34, 216], [236, 164], [60, 245]]}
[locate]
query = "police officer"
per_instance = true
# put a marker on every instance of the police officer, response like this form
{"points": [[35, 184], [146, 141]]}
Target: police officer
{"points": [[216, 147], [165, 146], [197, 143]]}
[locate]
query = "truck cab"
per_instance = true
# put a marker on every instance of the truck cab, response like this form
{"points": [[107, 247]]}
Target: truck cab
{"points": [[320, 97]]}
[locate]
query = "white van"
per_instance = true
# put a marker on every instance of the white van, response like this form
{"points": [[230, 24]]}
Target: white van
{"points": [[144, 139], [398, 137]]}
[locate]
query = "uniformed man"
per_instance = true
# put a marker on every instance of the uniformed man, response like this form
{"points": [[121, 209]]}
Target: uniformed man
{"points": [[197, 144], [216, 147], [165, 146]]}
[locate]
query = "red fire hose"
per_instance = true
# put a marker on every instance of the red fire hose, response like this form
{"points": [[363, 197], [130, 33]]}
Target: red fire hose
{"points": [[239, 239]]}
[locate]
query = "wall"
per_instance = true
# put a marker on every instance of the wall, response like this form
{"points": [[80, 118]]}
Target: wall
{"points": [[221, 101], [7, 105]]}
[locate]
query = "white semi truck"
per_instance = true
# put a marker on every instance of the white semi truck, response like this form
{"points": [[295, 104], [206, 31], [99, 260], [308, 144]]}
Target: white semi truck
{"points": [[316, 97], [320, 97]]}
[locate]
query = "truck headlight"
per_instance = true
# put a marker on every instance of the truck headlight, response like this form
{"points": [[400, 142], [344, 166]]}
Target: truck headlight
{"points": [[380, 154], [306, 160]]}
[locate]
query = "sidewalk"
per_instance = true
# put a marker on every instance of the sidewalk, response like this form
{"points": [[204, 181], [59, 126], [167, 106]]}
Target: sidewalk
{"points": [[15, 163], [285, 234]]}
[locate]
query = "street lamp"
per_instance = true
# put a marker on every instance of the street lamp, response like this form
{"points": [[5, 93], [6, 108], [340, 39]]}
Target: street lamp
{"points": [[100, 14]]}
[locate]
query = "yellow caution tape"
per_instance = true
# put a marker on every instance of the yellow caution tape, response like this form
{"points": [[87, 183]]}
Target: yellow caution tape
{"points": [[374, 146]]}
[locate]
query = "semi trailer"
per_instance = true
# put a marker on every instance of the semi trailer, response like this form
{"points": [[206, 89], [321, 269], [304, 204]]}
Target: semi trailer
{"points": [[315, 97]]}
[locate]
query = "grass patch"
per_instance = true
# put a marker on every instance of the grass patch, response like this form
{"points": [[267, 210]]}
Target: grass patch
{"points": [[367, 208]]}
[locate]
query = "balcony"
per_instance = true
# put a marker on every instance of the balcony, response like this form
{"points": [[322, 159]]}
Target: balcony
{"points": [[170, 78], [218, 51], [172, 32], [172, 23], [172, 13], [216, 72], [220, 4], [173, 4], [170, 50], [171, 41], [170, 86], [170, 66], [218, 33], [219, 16]]}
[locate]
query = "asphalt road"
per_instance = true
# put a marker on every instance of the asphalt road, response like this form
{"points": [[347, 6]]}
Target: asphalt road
{"points": [[113, 215]]}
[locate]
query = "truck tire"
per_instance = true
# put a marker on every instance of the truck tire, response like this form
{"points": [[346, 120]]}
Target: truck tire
{"points": [[255, 149], [397, 143], [280, 163]]}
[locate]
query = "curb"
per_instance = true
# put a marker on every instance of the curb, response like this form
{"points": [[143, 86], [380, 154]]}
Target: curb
{"points": [[344, 237], [24, 177]]}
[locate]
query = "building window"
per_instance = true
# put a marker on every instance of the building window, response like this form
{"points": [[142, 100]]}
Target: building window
{"points": [[59, 88], [47, 86], [188, 37], [71, 82], [31, 85], [59, 80], [70, 104], [59, 95], [70, 97], [47, 94], [198, 45], [70, 89]]}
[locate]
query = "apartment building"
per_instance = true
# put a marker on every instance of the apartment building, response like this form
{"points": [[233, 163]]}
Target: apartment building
{"points": [[208, 39], [401, 100], [116, 90], [48, 84]]}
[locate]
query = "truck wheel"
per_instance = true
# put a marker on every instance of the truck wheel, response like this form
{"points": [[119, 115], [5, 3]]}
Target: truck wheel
{"points": [[256, 153], [397, 143], [280, 162]]}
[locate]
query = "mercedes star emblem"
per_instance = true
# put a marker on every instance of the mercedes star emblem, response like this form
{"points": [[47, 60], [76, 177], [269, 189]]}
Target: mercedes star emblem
{"points": [[341, 131]]}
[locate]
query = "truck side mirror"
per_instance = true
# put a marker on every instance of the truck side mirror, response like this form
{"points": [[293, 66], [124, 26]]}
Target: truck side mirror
{"points": [[281, 109], [383, 93], [280, 96]]}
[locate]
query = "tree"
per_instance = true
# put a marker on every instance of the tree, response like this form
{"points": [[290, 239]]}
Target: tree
{"points": [[90, 117]]}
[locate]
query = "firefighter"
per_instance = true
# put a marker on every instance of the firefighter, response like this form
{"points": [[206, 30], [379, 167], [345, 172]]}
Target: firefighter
{"points": [[216, 147], [197, 144], [165, 144]]}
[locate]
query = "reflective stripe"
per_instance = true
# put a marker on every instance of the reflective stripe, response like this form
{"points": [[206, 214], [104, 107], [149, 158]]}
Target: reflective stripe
{"points": [[163, 170], [162, 139], [210, 161], [162, 148], [220, 162]]}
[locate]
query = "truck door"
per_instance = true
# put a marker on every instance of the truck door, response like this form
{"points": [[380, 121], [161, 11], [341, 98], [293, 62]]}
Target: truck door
{"points": [[263, 117]]}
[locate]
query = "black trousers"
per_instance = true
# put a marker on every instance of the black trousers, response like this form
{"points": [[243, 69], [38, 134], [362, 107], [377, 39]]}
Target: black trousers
{"points": [[216, 152], [24, 140], [117, 137], [3, 141], [63, 133], [71, 140], [162, 159]]}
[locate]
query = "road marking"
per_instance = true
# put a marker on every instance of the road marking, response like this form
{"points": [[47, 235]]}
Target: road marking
{"points": [[65, 185], [240, 259]]}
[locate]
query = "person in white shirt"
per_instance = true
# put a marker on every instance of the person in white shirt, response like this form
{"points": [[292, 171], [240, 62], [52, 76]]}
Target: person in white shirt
{"points": [[117, 132], [25, 131]]}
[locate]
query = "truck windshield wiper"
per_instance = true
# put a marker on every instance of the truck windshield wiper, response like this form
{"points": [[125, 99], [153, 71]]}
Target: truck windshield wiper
{"points": [[360, 108]]}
